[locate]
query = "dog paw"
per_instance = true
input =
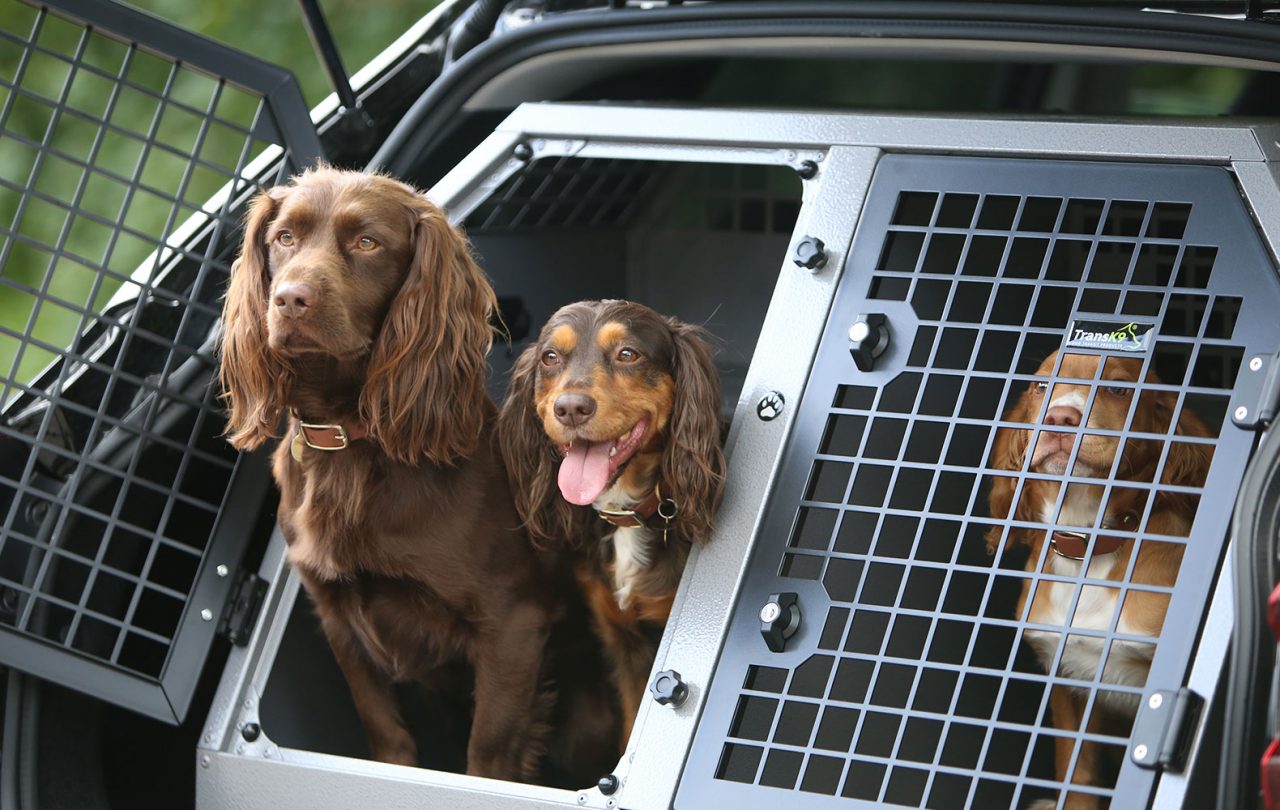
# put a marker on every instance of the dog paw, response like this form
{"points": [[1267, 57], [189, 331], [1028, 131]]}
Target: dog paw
{"points": [[397, 752]]}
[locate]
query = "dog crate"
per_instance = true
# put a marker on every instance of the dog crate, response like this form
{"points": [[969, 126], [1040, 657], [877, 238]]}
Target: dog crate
{"points": [[124, 513], [859, 473]]}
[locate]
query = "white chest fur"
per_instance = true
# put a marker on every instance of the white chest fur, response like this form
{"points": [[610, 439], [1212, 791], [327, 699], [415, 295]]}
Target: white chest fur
{"points": [[631, 545], [1095, 609]]}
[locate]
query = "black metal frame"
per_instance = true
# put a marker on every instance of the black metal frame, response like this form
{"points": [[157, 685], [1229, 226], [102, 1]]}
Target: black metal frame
{"points": [[127, 515], [761, 717]]}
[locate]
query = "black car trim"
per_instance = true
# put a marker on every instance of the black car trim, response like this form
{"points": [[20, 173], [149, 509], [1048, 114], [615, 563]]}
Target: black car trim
{"points": [[433, 114]]}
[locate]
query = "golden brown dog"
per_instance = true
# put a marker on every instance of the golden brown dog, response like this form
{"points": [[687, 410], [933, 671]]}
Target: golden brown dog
{"points": [[1083, 515]]}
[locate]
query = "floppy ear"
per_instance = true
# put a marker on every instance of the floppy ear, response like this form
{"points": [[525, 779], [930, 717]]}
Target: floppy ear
{"points": [[424, 395], [254, 380], [1008, 453], [531, 461], [1187, 464], [693, 463]]}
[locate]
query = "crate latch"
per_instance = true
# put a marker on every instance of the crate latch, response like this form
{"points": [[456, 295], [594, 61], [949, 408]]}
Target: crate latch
{"points": [[1257, 392], [243, 605], [1163, 729]]}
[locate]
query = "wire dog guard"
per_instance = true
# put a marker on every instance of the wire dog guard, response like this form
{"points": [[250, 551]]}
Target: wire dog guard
{"points": [[909, 682], [124, 512]]}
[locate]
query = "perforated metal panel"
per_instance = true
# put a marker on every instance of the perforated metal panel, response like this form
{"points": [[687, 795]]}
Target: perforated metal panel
{"points": [[913, 679], [123, 513]]}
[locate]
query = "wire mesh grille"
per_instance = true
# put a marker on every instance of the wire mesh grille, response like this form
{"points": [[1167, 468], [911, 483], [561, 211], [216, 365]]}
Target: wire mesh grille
{"points": [[937, 502], [569, 192], [112, 468]]}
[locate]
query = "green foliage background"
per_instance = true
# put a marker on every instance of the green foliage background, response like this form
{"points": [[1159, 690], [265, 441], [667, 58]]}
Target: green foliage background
{"points": [[272, 30]]}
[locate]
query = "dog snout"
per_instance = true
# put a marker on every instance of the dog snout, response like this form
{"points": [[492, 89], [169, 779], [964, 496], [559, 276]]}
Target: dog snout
{"points": [[1062, 416], [574, 410], [295, 299]]}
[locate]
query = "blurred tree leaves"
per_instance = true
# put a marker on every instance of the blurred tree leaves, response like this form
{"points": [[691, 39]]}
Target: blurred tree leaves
{"points": [[52, 129]]}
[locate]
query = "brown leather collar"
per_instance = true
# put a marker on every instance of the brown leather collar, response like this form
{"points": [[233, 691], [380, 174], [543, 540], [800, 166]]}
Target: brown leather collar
{"points": [[664, 506], [1075, 545], [329, 437]]}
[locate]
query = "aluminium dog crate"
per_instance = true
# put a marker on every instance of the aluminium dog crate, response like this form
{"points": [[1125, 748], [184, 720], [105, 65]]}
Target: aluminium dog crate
{"points": [[863, 492]]}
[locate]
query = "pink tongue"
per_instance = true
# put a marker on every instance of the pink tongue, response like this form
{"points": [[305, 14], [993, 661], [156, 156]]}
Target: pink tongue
{"points": [[584, 473]]}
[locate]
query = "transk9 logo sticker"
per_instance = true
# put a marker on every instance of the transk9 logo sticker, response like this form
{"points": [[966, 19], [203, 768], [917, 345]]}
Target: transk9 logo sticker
{"points": [[1116, 337]]}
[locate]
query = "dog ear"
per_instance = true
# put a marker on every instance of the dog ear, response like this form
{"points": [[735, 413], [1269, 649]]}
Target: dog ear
{"points": [[1187, 464], [1007, 453], [254, 380], [424, 395], [531, 461], [693, 463]]}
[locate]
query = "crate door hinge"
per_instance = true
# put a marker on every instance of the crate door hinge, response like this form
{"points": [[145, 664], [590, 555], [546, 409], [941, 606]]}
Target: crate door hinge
{"points": [[1164, 728], [1257, 395], [244, 602]]}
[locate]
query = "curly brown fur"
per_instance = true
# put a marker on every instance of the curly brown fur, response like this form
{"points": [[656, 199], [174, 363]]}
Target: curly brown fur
{"points": [[354, 302]]}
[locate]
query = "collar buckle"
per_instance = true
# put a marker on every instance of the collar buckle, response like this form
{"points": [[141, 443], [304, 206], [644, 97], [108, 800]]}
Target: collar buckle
{"points": [[337, 433]]}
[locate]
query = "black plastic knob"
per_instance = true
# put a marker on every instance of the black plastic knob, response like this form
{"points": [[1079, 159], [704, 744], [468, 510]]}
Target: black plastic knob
{"points": [[668, 689], [251, 731], [779, 620], [608, 784], [810, 253], [868, 339]]}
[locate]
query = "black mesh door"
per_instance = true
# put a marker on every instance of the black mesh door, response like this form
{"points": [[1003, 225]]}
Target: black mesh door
{"points": [[992, 531], [123, 513]]}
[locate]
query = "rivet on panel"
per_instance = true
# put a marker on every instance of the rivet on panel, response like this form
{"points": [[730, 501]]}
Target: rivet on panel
{"points": [[1155, 700], [1139, 752], [1241, 412], [207, 615], [770, 406], [1255, 364]]}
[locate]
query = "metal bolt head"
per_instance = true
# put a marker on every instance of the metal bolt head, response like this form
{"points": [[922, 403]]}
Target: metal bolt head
{"points": [[223, 570], [810, 253], [1255, 364], [1241, 412], [251, 731], [770, 612], [1139, 751], [668, 688], [1155, 700], [204, 761], [770, 406], [608, 784], [207, 615], [859, 331], [582, 798]]}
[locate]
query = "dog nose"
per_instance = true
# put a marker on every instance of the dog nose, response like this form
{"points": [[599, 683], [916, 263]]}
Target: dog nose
{"points": [[574, 410], [295, 299], [1063, 416]]}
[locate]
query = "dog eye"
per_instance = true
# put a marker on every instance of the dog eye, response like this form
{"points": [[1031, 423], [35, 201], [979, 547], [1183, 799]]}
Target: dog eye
{"points": [[550, 358], [628, 355], [1041, 387], [1118, 390], [366, 243], [285, 238]]}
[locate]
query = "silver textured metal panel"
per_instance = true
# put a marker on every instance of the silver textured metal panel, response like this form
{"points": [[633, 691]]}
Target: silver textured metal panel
{"points": [[1190, 143]]}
